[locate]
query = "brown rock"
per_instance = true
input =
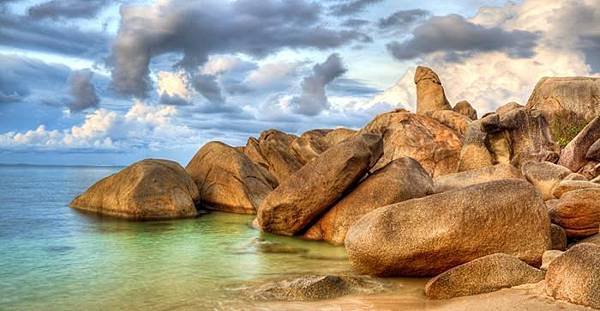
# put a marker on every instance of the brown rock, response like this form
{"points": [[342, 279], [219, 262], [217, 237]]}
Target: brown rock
{"points": [[549, 257], [473, 177], [451, 119], [556, 96], [571, 185], [508, 107], [594, 239], [558, 236], [422, 138], [575, 176], [430, 93], [338, 135], [578, 212], [483, 275], [465, 108], [444, 230], [310, 145], [590, 170], [474, 153], [275, 147], [593, 152], [544, 176], [500, 147], [573, 155], [575, 276], [227, 179], [400, 180], [308, 193], [145, 190]]}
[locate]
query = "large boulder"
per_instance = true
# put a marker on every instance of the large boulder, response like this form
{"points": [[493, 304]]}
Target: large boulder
{"points": [[465, 108], [146, 190], [578, 212], [273, 151], [476, 176], [594, 239], [430, 93], [575, 277], [483, 275], [405, 134], [427, 236], [558, 237], [560, 96], [338, 135], [574, 154], [400, 180], [227, 179], [566, 186], [310, 145], [544, 176], [308, 193]]}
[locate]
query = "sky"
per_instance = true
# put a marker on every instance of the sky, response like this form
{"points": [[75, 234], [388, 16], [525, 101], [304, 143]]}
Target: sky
{"points": [[109, 82]]}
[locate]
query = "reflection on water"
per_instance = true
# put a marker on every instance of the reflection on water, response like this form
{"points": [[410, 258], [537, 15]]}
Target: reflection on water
{"points": [[53, 257]]}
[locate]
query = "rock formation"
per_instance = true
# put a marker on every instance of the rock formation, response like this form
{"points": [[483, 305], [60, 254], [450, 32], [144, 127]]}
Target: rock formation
{"points": [[476, 176], [574, 154], [227, 179], [483, 275], [574, 276], [146, 190], [309, 192], [422, 138], [444, 230], [273, 151], [430, 93], [578, 212], [465, 108], [400, 180], [544, 176]]}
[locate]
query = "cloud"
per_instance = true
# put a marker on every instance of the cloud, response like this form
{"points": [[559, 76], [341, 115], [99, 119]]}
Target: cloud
{"points": [[351, 7], [491, 78], [82, 90], [143, 126], [355, 22], [402, 19], [24, 33], [198, 29], [273, 76], [352, 88], [313, 98], [56, 9], [26, 79], [208, 86], [458, 37]]}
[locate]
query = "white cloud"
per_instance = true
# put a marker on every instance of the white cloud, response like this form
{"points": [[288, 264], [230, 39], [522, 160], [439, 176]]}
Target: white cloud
{"points": [[174, 84], [154, 127]]}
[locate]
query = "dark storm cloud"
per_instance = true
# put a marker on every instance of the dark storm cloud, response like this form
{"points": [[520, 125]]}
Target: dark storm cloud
{"points": [[582, 21], [208, 86], [25, 79], [458, 37], [351, 87], [354, 22], [403, 19], [22, 32], [173, 100], [82, 90], [198, 29], [350, 7], [313, 98], [56, 9]]}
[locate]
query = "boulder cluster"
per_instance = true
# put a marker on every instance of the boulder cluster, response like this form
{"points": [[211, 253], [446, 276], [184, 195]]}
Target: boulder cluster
{"points": [[479, 204]]}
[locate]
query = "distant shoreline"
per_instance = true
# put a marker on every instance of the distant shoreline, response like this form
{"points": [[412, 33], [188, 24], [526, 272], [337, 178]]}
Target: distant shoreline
{"points": [[59, 165]]}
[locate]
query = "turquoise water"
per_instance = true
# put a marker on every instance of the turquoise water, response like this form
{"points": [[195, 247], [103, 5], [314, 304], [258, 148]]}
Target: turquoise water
{"points": [[55, 258]]}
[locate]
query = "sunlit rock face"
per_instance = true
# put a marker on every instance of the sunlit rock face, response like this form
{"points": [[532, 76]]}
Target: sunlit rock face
{"points": [[146, 190]]}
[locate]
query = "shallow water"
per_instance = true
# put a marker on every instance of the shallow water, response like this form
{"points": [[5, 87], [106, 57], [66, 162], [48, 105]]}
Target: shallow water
{"points": [[55, 258]]}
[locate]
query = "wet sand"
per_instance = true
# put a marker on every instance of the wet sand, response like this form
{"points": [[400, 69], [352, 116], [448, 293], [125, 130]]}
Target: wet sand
{"points": [[528, 297]]}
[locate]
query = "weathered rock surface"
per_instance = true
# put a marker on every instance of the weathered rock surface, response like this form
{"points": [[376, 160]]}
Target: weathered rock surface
{"points": [[593, 152], [549, 257], [558, 238], [474, 153], [594, 239], [483, 275], [422, 138], [476, 176], [308, 193], [338, 135], [465, 108], [544, 176], [578, 212], [430, 93], [310, 145], [315, 287], [575, 276], [227, 179], [555, 96], [444, 230], [145, 190], [273, 151], [451, 119], [566, 186], [574, 154], [590, 170], [575, 176], [400, 180]]}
